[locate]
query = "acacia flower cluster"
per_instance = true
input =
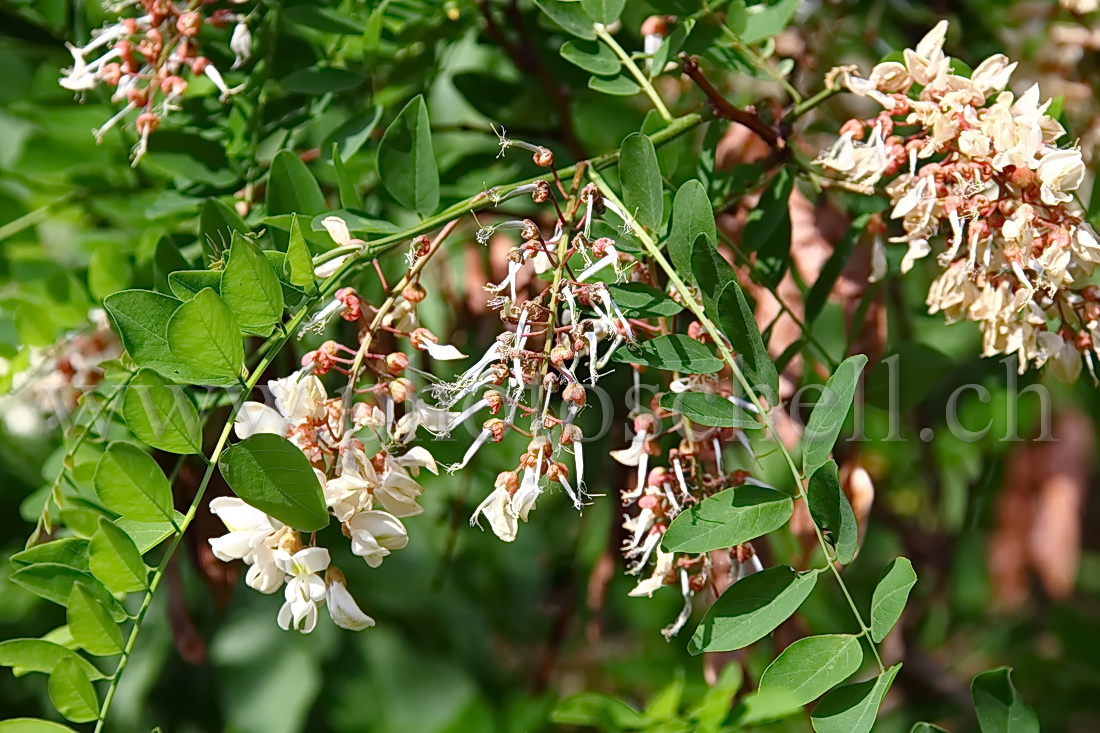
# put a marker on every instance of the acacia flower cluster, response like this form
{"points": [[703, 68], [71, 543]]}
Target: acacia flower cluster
{"points": [[147, 60], [367, 492], [977, 168]]}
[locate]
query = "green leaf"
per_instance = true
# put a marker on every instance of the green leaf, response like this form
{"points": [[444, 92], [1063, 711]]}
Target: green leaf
{"points": [[324, 19], [810, 667], [129, 482], [320, 80], [831, 511], [406, 161], [570, 16], [185, 283], [999, 706], [765, 706], [670, 47], [33, 725], [90, 625], [675, 352], [927, 728], [161, 415], [595, 58], [692, 216], [768, 21], [890, 595], [715, 705], [108, 271], [829, 413], [70, 551], [206, 338], [665, 703], [115, 560], [217, 223], [298, 268], [603, 11], [768, 230], [251, 288], [643, 190], [615, 86], [643, 301], [141, 319], [853, 708], [751, 608], [291, 188], [147, 535], [72, 693], [598, 710], [827, 278], [38, 655], [920, 367], [727, 519], [709, 409], [738, 324], [55, 582], [351, 135], [273, 475], [349, 195]]}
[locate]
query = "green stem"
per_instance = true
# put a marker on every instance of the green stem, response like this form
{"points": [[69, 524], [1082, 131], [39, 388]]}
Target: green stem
{"points": [[757, 60], [689, 300], [632, 67], [805, 106]]}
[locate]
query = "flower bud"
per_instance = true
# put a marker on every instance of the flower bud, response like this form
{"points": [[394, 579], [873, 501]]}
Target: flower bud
{"points": [[1091, 293], [541, 192], [507, 480], [657, 477], [497, 428], [420, 337], [574, 392], [396, 362], [738, 477], [401, 388], [147, 122], [414, 293], [530, 231], [571, 434], [655, 25], [560, 354], [543, 158], [353, 306], [290, 542], [189, 24], [644, 424], [601, 245], [557, 472], [494, 399]]}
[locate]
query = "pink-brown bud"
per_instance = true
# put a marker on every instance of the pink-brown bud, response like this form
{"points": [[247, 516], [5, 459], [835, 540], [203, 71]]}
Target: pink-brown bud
{"points": [[401, 388], [541, 193], [396, 362], [543, 158], [494, 400], [189, 24], [574, 392], [147, 122], [497, 427], [414, 293], [353, 306], [507, 480]]}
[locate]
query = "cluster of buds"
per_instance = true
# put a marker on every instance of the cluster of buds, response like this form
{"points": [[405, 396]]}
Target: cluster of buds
{"points": [[980, 166], [694, 469], [54, 380], [148, 58]]}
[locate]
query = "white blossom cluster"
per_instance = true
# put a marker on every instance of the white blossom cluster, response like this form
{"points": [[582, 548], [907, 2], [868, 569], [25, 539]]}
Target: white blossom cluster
{"points": [[146, 57], [978, 167]]}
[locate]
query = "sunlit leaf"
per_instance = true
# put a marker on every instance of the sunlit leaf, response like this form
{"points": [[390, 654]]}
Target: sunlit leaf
{"points": [[727, 519], [751, 608], [273, 475], [810, 667]]}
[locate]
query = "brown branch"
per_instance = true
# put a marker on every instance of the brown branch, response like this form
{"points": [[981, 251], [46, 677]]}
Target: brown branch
{"points": [[724, 108]]}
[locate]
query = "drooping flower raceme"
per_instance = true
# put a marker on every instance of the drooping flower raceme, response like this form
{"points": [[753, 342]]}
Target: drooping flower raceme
{"points": [[978, 170]]}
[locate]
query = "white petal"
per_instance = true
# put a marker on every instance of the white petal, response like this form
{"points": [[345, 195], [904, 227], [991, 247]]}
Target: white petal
{"points": [[328, 269], [337, 229], [443, 352], [254, 417], [343, 609]]}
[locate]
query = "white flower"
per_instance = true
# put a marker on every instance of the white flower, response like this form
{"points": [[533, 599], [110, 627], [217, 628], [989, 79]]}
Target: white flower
{"points": [[343, 609], [992, 74], [497, 509], [240, 44], [252, 537], [523, 501], [660, 575], [1060, 171], [297, 399], [305, 590], [927, 63], [918, 248], [878, 260], [374, 534], [328, 269]]}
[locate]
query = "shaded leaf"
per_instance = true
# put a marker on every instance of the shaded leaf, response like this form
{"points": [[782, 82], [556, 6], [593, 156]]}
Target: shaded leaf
{"points": [[597, 709], [298, 267], [643, 190], [603, 11], [406, 161], [809, 667], [890, 596], [751, 608], [709, 409], [71, 692], [91, 625], [217, 223], [999, 706], [291, 188], [727, 519], [829, 413], [643, 301], [272, 474], [251, 288], [674, 352], [39, 655], [768, 230], [55, 582], [595, 58], [671, 46], [615, 86], [692, 217], [115, 560], [569, 16], [831, 511], [853, 708], [160, 414], [71, 551], [206, 338], [185, 283], [129, 482]]}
